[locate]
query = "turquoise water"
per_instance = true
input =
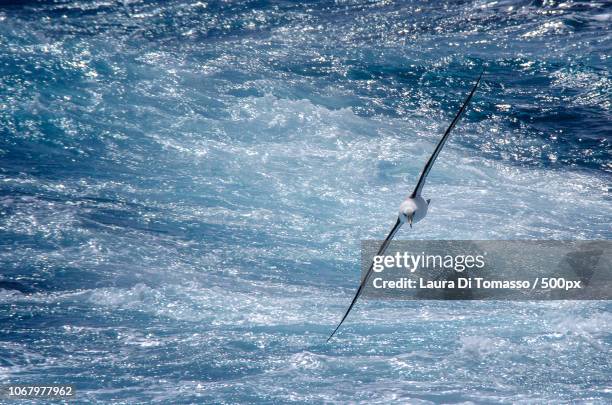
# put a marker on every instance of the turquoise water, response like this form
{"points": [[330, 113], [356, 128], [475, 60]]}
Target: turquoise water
{"points": [[184, 187]]}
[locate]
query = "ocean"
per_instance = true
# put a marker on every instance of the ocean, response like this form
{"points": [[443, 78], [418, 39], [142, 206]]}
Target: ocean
{"points": [[184, 186]]}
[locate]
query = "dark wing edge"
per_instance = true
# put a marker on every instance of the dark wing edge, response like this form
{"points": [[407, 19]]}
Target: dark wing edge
{"points": [[381, 251], [434, 155]]}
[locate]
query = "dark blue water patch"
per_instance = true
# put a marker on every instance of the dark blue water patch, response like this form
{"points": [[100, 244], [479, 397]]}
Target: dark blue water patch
{"points": [[21, 287], [48, 277], [167, 22], [20, 241]]}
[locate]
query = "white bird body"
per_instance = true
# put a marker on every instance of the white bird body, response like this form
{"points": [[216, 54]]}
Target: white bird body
{"points": [[414, 208]]}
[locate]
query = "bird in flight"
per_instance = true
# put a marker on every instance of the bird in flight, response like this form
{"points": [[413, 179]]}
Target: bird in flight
{"points": [[413, 208]]}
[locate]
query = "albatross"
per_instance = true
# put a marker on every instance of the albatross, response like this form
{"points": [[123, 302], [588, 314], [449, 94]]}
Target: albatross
{"points": [[414, 208]]}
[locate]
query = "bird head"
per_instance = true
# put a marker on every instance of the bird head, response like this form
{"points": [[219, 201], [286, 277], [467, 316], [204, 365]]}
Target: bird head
{"points": [[407, 210], [413, 210]]}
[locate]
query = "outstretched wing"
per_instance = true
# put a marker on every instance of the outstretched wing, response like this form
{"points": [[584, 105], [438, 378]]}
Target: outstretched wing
{"points": [[434, 155], [381, 251]]}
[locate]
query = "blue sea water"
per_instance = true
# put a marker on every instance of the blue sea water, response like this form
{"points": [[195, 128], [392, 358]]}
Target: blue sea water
{"points": [[184, 186]]}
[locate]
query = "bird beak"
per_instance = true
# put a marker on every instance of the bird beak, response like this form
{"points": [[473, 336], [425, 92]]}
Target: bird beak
{"points": [[410, 220]]}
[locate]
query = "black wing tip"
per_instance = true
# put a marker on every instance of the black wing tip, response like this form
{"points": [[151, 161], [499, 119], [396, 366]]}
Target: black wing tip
{"points": [[332, 334]]}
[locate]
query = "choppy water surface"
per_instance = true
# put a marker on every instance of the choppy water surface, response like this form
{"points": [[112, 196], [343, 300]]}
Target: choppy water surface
{"points": [[184, 185]]}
